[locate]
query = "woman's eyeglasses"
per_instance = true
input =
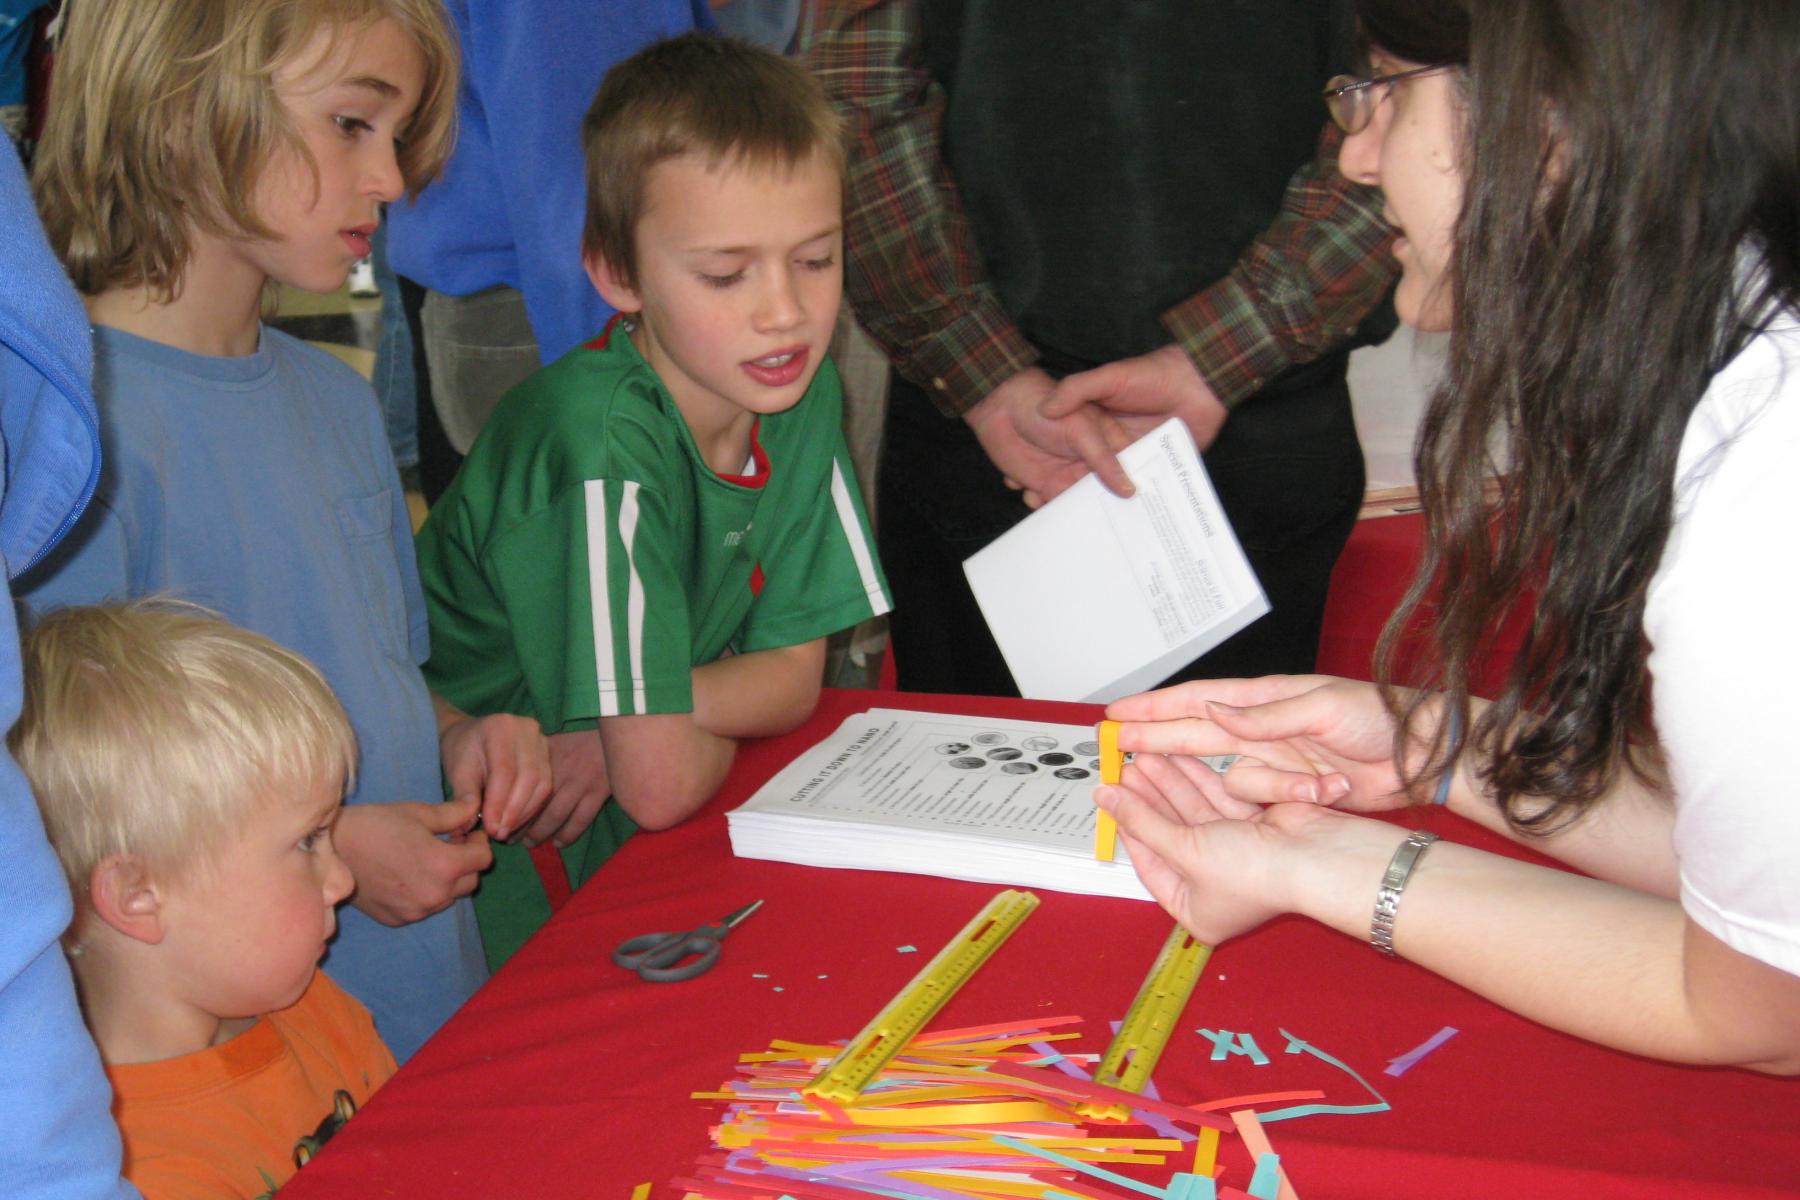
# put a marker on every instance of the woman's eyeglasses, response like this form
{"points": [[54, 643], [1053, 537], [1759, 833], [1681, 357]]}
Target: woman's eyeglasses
{"points": [[1352, 101]]}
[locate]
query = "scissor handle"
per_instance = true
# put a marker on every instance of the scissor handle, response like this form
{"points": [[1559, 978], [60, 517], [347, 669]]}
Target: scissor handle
{"points": [[654, 956]]}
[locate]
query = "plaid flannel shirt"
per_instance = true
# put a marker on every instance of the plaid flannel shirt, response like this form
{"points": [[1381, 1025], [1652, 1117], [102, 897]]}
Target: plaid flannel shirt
{"points": [[916, 277]]}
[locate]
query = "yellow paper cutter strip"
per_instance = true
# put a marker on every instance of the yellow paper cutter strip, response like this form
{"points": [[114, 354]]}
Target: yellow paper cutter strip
{"points": [[1132, 1056], [907, 1014], [1112, 763]]}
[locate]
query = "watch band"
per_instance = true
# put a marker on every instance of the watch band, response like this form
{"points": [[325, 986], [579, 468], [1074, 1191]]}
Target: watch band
{"points": [[1387, 900]]}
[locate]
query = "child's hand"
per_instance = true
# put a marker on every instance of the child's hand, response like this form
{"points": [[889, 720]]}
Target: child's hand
{"points": [[404, 869], [580, 787], [502, 762]]}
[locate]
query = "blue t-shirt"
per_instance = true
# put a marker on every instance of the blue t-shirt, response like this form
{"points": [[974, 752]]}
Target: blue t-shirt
{"points": [[510, 205], [263, 488]]}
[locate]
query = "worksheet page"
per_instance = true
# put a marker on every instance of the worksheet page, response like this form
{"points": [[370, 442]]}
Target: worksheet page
{"points": [[1094, 597]]}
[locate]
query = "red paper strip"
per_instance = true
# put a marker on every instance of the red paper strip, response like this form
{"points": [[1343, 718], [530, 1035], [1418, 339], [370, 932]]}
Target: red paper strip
{"points": [[1258, 1098]]}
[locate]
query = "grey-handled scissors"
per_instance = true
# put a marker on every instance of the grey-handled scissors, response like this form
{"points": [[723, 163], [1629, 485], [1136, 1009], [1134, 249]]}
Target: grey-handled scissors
{"points": [[654, 956]]}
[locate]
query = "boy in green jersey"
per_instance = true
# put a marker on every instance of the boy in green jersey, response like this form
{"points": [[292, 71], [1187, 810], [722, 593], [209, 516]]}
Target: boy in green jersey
{"points": [[654, 534]]}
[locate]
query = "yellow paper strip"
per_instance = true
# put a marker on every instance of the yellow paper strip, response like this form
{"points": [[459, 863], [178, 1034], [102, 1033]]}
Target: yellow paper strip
{"points": [[1112, 762], [1000, 1113], [1206, 1151], [641, 1192], [1106, 836], [1112, 765]]}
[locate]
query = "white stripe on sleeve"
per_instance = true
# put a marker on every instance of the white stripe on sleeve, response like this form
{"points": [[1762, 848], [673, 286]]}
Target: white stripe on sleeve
{"points": [[634, 604], [859, 544], [600, 596]]}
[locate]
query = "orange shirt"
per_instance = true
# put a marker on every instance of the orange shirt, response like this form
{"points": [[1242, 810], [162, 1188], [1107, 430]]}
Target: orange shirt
{"points": [[235, 1120]]}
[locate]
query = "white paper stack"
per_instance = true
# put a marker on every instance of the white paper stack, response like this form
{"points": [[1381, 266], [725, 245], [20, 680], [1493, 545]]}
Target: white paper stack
{"points": [[974, 798], [1093, 597]]}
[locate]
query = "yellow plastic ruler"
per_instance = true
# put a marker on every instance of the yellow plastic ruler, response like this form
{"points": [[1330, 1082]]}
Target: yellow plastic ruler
{"points": [[907, 1014], [1132, 1056]]}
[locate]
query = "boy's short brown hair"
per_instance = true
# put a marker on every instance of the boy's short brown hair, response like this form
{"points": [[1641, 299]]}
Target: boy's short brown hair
{"points": [[163, 114], [156, 729], [721, 99]]}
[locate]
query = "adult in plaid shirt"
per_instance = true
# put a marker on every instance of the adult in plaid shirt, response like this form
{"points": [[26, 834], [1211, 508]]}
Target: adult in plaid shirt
{"points": [[1143, 208]]}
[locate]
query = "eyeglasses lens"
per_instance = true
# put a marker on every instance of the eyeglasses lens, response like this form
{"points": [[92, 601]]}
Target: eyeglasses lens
{"points": [[1347, 100]]}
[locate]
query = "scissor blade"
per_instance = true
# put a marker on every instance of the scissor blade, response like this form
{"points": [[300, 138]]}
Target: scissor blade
{"points": [[731, 922]]}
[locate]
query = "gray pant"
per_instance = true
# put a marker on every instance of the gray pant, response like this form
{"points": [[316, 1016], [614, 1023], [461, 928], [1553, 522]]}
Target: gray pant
{"points": [[477, 347]]}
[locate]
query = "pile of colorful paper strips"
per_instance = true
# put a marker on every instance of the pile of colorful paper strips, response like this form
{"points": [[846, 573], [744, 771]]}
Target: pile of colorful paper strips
{"points": [[983, 1113]]}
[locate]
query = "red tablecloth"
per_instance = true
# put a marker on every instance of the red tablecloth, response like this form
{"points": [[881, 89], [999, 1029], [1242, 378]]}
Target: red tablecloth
{"points": [[567, 1077]]}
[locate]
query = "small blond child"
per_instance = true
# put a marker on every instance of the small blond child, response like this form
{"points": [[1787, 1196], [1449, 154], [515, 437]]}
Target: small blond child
{"points": [[653, 535], [190, 774]]}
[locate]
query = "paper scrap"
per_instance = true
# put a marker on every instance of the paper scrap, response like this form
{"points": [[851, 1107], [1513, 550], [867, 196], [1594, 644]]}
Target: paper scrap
{"points": [[1265, 1182], [1112, 760], [906, 949], [1250, 1131], [1226, 1043], [1106, 836], [1206, 1152], [1299, 1045], [1192, 1187], [1076, 1164], [1403, 1063]]}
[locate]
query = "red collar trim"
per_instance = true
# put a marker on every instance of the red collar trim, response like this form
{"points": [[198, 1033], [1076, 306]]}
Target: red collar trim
{"points": [[599, 340], [761, 474]]}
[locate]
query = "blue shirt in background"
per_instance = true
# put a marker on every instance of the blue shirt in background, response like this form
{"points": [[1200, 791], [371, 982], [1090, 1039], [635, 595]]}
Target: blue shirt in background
{"points": [[509, 207]]}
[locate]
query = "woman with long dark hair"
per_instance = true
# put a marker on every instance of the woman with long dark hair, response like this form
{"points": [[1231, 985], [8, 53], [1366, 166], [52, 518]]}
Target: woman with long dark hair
{"points": [[1600, 201]]}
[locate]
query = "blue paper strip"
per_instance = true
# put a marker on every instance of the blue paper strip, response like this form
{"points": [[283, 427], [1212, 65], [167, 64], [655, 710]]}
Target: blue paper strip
{"points": [[1299, 1045], [1075, 1164], [1265, 1183]]}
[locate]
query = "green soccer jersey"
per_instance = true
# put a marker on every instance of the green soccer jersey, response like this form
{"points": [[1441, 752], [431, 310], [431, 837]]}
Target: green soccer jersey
{"points": [[585, 559]]}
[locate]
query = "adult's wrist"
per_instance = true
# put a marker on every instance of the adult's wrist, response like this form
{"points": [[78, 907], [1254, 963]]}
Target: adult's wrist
{"points": [[1392, 890], [1335, 871]]}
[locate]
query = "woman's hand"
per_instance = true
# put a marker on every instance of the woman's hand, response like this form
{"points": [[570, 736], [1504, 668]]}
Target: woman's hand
{"points": [[1311, 739], [1218, 876]]}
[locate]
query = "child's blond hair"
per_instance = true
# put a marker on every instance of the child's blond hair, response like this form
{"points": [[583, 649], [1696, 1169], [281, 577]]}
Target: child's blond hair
{"points": [[163, 114], [155, 729], [721, 99]]}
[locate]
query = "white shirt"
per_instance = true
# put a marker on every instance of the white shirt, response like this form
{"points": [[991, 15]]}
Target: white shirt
{"points": [[1723, 620]]}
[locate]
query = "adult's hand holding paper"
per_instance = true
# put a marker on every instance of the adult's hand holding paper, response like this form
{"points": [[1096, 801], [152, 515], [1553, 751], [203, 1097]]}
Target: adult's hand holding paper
{"points": [[1094, 597]]}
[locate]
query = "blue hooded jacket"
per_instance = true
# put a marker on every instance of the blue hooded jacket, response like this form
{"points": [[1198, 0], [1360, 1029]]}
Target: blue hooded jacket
{"points": [[55, 1104]]}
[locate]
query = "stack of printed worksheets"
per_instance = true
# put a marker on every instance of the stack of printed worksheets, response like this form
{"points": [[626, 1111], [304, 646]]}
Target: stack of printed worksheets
{"points": [[974, 798]]}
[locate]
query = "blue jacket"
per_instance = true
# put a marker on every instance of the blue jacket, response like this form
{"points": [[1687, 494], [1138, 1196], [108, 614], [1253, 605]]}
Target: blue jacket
{"points": [[59, 1139], [509, 207]]}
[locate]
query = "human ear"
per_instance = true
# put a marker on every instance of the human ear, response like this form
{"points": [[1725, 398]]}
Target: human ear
{"points": [[124, 896], [610, 284]]}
